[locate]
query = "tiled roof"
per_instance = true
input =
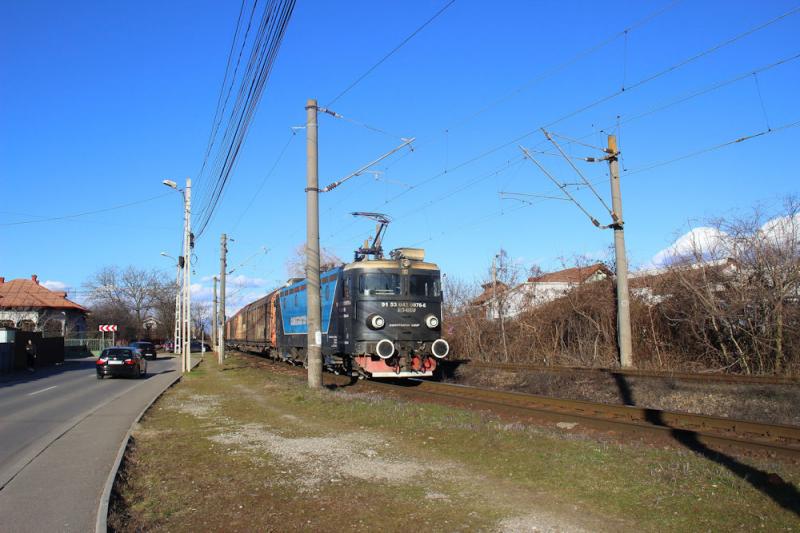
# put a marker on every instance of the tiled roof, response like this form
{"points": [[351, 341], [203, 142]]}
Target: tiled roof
{"points": [[28, 293], [489, 292], [571, 275]]}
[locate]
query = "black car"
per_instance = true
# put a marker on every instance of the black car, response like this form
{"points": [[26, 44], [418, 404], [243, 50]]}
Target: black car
{"points": [[148, 349], [198, 346], [121, 361]]}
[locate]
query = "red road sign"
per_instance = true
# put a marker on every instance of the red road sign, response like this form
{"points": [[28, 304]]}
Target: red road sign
{"points": [[107, 327]]}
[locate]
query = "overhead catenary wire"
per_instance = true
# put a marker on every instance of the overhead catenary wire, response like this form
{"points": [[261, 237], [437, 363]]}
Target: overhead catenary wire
{"points": [[566, 63], [674, 66], [640, 83], [620, 121], [390, 53], [715, 147]]}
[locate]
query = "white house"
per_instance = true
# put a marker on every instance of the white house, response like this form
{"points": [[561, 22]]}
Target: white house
{"points": [[536, 290]]}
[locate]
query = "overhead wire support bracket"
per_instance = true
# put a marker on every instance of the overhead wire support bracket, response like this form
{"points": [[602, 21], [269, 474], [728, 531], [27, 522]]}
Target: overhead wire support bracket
{"points": [[562, 187], [406, 142], [577, 171]]}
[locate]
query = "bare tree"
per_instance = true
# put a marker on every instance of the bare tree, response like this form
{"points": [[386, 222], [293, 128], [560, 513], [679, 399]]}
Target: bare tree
{"points": [[296, 264], [736, 296], [126, 296], [201, 319]]}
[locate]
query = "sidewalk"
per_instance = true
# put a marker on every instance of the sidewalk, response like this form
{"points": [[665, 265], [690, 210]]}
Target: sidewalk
{"points": [[61, 489]]}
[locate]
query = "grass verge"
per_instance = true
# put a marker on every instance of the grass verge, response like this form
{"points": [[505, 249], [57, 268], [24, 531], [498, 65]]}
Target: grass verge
{"points": [[246, 446]]}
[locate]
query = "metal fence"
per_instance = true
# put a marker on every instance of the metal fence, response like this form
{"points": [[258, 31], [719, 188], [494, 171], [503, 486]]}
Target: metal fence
{"points": [[95, 346]]}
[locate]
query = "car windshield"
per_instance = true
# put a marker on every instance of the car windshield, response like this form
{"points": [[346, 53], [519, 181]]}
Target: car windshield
{"points": [[117, 354]]}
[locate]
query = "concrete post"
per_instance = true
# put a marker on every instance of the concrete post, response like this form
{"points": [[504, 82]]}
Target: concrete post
{"points": [[223, 265], [313, 317], [623, 298], [187, 279]]}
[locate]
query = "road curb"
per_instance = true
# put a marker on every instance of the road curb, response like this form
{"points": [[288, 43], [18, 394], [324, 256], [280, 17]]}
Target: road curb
{"points": [[101, 524]]}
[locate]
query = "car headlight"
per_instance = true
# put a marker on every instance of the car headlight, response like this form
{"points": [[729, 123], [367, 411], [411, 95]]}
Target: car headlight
{"points": [[375, 321], [432, 322]]}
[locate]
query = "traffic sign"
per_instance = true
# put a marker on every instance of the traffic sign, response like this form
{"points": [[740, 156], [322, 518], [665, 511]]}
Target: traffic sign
{"points": [[107, 327]]}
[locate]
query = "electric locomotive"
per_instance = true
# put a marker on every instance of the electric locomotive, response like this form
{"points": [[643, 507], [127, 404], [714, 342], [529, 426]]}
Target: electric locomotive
{"points": [[381, 317]]}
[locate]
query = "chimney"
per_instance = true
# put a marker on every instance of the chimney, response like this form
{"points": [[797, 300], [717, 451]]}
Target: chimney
{"points": [[35, 278]]}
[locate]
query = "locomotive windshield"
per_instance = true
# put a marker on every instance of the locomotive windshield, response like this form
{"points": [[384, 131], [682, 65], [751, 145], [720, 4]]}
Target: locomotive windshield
{"points": [[423, 285], [379, 283]]}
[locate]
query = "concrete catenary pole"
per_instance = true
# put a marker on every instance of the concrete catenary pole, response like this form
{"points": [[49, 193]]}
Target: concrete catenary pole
{"points": [[313, 317], [223, 265], [214, 322], [623, 297], [499, 307], [187, 278]]}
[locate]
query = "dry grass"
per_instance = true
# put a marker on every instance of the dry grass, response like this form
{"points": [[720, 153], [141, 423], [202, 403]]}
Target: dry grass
{"points": [[250, 448]]}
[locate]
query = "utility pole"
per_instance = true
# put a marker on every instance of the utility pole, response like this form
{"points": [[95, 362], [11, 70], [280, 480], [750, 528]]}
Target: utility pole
{"points": [[178, 288], [186, 359], [623, 297], [214, 322], [499, 307], [223, 266], [313, 317]]}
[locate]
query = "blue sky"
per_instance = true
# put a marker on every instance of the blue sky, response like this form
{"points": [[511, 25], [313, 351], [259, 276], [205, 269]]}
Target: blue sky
{"points": [[101, 101]]}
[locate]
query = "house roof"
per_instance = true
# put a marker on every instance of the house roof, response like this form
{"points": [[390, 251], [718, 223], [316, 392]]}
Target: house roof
{"points": [[489, 292], [28, 293], [571, 275]]}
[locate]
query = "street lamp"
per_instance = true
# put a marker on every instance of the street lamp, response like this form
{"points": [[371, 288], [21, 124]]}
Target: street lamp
{"points": [[176, 343], [186, 332]]}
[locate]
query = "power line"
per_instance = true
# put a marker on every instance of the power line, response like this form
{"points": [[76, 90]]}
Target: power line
{"points": [[274, 20], [264, 181], [387, 56], [220, 107], [85, 213]]}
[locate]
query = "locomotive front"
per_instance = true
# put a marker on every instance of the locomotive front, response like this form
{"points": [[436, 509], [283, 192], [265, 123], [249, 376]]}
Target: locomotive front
{"points": [[392, 315]]}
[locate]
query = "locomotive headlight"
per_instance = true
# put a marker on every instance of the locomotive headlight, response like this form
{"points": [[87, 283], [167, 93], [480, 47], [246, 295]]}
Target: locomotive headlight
{"points": [[440, 348], [384, 349], [375, 321], [432, 322]]}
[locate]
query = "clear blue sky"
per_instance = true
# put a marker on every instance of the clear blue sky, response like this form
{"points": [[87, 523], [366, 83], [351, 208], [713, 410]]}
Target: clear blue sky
{"points": [[100, 101]]}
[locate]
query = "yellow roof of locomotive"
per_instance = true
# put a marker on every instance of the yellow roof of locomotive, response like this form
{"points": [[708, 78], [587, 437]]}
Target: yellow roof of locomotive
{"points": [[377, 264]]}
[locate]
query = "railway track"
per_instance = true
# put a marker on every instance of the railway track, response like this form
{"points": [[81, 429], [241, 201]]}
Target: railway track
{"points": [[699, 432], [684, 376]]}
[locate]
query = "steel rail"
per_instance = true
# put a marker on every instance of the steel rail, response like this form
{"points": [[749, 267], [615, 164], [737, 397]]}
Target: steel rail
{"points": [[713, 432], [718, 378], [706, 434]]}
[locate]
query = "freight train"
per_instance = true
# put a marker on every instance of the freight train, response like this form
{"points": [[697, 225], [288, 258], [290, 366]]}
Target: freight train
{"points": [[381, 317]]}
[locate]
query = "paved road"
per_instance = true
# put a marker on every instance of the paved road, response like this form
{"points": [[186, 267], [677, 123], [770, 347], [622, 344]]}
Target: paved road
{"points": [[60, 430]]}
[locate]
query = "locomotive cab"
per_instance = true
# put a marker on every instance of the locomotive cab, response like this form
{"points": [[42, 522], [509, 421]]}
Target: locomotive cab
{"points": [[391, 310]]}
